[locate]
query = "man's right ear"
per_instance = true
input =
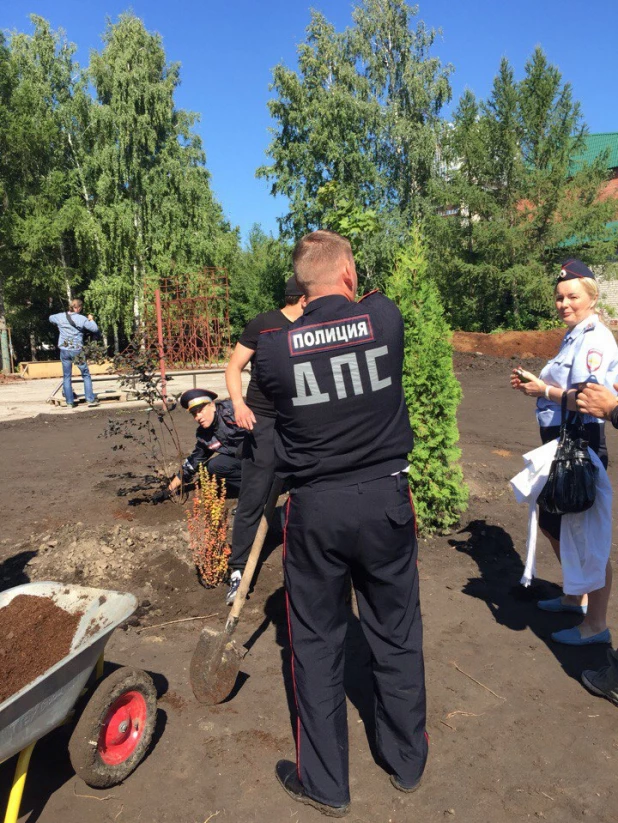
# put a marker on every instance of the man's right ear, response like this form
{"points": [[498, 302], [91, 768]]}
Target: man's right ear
{"points": [[348, 276]]}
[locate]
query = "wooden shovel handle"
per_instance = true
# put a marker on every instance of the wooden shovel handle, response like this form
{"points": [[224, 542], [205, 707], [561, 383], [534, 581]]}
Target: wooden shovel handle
{"points": [[254, 555]]}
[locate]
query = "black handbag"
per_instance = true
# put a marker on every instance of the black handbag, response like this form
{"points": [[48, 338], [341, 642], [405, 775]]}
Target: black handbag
{"points": [[571, 485]]}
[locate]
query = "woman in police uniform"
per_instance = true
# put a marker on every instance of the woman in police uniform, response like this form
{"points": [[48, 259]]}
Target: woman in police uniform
{"points": [[588, 353]]}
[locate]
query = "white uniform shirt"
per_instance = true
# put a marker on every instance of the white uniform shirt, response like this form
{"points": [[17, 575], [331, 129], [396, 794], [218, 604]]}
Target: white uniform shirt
{"points": [[588, 353]]}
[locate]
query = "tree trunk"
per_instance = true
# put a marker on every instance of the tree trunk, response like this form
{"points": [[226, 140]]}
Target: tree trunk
{"points": [[139, 276], [516, 311], [5, 358], [64, 269], [135, 302], [33, 356], [85, 195], [116, 340]]}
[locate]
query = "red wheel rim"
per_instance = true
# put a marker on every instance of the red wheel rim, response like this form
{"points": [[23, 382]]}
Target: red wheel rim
{"points": [[122, 728]]}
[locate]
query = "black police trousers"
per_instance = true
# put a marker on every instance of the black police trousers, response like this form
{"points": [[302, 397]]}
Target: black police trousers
{"points": [[228, 467], [258, 472], [365, 532]]}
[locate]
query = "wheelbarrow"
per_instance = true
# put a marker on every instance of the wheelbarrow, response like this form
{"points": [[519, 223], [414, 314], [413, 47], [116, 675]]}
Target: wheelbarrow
{"points": [[115, 726]]}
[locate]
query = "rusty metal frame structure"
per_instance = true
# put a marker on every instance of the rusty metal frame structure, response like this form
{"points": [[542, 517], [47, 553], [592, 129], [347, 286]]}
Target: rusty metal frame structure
{"points": [[188, 323]]}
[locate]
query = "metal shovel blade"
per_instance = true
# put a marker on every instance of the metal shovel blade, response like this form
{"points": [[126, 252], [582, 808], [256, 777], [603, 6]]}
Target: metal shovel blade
{"points": [[214, 666], [216, 660]]}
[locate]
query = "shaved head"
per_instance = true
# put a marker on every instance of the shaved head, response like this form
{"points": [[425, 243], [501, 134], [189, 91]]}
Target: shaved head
{"points": [[319, 259]]}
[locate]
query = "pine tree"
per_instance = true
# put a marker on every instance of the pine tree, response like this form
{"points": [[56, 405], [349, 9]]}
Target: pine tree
{"points": [[431, 390], [509, 206]]}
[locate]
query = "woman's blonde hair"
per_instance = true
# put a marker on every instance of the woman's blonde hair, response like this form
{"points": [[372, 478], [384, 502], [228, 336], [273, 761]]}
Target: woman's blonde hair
{"points": [[589, 285]]}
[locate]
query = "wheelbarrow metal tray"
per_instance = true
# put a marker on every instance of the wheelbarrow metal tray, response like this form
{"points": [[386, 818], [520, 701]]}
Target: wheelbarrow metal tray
{"points": [[45, 702]]}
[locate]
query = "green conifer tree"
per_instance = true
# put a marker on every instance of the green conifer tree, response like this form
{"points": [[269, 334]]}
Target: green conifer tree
{"points": [[431, 390]]}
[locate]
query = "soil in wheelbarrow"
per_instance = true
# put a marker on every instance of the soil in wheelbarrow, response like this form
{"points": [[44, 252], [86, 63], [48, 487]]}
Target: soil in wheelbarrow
{"points": [[35, 634]]}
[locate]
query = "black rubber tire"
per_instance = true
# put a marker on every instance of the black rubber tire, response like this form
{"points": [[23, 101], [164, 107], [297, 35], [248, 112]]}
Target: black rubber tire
{"points": [[83, 745]]}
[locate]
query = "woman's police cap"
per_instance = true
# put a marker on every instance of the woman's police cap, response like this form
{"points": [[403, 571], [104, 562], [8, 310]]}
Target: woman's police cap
{"points": [[196, 397], [572, 269]]}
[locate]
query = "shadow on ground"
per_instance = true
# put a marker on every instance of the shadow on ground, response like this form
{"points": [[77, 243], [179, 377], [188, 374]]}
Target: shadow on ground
{"points": [[13, 570], [50, 766], [512, 605]]}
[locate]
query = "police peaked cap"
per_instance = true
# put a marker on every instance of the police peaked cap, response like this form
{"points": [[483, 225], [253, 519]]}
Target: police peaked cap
{"points": [[196, 397], [572, 269]]}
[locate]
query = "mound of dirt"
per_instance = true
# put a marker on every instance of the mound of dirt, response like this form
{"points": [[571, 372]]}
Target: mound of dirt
{"points": [[121, 557], [35, 634], [514, 344]]}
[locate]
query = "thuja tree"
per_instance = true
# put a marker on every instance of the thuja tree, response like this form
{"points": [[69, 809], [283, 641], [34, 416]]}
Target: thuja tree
{"points": [[431, 390]]}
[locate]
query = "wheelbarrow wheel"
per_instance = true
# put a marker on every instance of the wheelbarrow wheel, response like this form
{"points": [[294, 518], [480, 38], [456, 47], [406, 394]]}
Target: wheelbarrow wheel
{"points": [[115, 729]]}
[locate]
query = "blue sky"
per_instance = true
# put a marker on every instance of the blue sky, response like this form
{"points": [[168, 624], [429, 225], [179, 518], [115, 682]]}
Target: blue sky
{"points": [[227, 51]]}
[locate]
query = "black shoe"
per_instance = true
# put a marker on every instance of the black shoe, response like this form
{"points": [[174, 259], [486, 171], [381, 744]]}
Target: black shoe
{"points": [[402, 787], [287, 776], [604, 681]]}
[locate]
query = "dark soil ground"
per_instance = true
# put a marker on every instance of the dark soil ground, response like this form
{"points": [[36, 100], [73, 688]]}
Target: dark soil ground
{"points": [[513, 734]]}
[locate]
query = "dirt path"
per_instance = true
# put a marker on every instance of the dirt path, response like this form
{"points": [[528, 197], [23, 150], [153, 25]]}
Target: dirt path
{"points": [[529, 743]]}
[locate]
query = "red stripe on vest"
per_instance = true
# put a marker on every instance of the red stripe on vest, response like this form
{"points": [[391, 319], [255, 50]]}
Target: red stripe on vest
{"points": [[265, 331]]}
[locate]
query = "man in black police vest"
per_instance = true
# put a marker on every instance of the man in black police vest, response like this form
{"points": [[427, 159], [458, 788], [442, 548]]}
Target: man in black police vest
{"points": [[341, 442]]}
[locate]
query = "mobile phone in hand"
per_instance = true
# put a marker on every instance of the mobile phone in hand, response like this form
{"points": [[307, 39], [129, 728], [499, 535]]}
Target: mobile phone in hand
{"points": [[520, 374]]}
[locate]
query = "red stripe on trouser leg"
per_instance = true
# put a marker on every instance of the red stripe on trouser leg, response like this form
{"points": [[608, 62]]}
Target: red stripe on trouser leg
{"points": [[287, 611]]}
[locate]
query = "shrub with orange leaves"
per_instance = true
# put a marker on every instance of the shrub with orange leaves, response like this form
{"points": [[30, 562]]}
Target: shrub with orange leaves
{"points": [[207, 523]]}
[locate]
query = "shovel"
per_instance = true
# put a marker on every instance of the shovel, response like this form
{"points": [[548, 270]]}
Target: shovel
{"points": [[216, 660]]}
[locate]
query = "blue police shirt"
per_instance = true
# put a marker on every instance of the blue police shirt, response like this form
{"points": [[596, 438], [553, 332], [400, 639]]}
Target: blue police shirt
{"points": [[588, 353]]}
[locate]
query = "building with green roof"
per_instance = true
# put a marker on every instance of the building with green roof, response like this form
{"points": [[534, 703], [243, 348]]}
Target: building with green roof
{"points": [[596, 145]]}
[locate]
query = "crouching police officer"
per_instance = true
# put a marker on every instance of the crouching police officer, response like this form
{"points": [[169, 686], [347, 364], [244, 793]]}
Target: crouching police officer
{"points": [[341, 442], [218, 441]]}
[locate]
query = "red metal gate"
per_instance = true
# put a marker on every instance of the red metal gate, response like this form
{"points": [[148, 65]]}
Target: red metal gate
{"points": [[194, 322]]}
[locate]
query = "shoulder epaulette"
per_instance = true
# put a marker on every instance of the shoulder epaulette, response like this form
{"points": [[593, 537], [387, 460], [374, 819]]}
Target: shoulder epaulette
{"points": [[369, 293]]}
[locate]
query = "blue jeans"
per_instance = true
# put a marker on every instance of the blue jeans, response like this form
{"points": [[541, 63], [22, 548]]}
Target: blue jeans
{"points": [[66, 358]]}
